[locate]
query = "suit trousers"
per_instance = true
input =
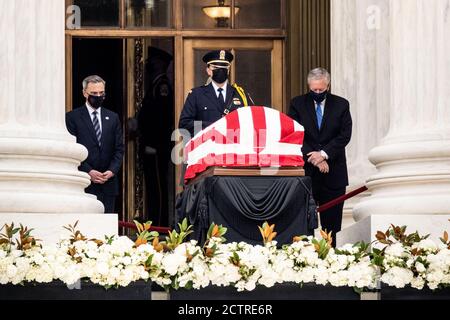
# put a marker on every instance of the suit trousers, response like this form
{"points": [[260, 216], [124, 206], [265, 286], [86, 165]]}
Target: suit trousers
{"points": [[331, 219], [108, 201]]}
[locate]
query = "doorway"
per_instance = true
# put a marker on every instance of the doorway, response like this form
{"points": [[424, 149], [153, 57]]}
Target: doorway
{"points": [[139, 77], [103, 57]]}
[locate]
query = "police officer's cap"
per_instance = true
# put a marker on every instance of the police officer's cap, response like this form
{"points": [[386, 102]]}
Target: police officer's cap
{"points": [[154, 53], [218, 57]]}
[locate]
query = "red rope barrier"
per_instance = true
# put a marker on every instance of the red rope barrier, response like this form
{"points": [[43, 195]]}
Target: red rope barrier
{"points": [[130, 225], [341, 199]]}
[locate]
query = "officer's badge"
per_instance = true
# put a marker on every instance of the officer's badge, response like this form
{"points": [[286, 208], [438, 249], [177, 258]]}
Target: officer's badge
{"points": [[236, 101], [164, 90], [222, 55]]}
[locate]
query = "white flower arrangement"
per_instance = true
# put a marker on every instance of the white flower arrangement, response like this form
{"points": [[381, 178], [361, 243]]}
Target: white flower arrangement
{"points": [[412, 260], [176, 263]]}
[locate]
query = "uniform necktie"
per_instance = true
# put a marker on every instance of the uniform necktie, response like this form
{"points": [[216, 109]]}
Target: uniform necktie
{"points": [[98, 131], [220, 97], [319, 115]]}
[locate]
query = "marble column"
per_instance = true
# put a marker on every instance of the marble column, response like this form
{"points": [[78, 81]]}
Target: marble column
{"points": [[411, 186], [40, 185], [360, 73], [413, 160]]}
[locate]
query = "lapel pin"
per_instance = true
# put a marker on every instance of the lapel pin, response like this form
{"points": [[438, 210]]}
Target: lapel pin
{"points": [[107, 118]]}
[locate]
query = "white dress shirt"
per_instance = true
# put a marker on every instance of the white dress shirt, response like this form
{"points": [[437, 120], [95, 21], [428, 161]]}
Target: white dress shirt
{"points": [[224, 92]]}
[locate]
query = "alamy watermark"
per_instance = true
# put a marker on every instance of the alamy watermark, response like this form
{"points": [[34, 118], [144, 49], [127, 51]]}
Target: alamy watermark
{"points": [[73, 20], [373, 21]]}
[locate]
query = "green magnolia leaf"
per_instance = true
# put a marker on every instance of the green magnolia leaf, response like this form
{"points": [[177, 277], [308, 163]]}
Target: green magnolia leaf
{"points": [[223, 231], [358, 290], [148, 262], [211, 227]]}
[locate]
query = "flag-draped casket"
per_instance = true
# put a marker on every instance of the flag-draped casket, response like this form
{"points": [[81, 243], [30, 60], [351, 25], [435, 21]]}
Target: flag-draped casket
{"points": [[254, 137], [247, 137]]}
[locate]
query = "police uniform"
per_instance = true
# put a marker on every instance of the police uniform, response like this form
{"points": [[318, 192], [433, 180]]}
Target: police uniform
{"points": [[202, 103]]}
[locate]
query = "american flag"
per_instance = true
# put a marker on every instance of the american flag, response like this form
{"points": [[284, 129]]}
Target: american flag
{"points": [[246, 137]]}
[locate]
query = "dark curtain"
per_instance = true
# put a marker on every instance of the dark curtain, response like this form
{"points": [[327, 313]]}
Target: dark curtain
{"points": [[243, 203]]}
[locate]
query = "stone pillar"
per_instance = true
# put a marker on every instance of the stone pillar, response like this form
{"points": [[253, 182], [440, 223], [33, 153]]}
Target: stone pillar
{"points": [[40, 184], [413, 160], [360, 73], [412, 183]]}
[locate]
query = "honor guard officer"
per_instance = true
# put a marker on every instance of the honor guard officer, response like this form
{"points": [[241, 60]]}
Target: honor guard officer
{"points": [[214, 100]]}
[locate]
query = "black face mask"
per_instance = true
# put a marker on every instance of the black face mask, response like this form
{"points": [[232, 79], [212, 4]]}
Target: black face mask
{"points": [[318, 97], [220, 75], [96, 101]]}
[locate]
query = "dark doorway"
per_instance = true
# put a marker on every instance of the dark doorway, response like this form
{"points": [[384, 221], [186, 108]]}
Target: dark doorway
{"points": [[147, 176], [102, 57], [156, 124]]}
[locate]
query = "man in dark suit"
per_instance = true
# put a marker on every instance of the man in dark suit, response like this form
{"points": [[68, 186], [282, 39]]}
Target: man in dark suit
{"points": [[209, 103], [328, 128], [100, 131]]}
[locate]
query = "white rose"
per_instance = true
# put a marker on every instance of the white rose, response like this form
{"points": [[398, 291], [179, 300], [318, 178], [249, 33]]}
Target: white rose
{"points": [[11, 271], [114, 273], [4, 279], [397, 277], [418, 283], [420, 267], [16, 253], [172, 262], [102, 268], [126, 260], [395, 250], [427, 245], [347, 247], [250, 286]]}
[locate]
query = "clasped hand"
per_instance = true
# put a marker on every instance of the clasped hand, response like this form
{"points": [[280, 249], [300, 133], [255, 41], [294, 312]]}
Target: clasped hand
{"points": [[317, 160], [100, 178]]}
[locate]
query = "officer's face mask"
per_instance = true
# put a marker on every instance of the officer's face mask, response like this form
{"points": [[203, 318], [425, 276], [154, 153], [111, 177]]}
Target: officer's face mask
{"points": [[96, 101], [220, 75]]}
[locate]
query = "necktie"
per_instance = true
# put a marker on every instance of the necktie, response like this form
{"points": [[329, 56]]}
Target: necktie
{"points": [[220, 97], [319, 115], [98, 131]]}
